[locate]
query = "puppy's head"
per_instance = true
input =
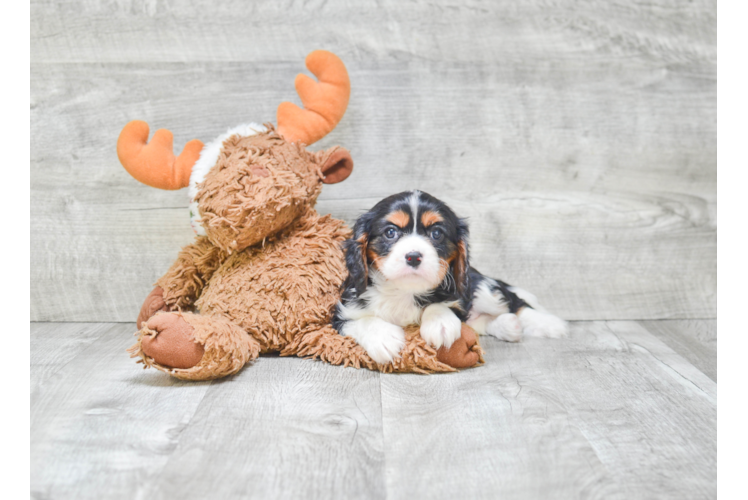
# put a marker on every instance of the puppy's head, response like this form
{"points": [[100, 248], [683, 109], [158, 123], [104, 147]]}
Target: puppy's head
{"points": [[411, 240]]}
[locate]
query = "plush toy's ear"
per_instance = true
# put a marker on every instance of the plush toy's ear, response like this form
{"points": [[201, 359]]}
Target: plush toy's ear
{"points": [[337, 165], [461, 264], [355, 253]]}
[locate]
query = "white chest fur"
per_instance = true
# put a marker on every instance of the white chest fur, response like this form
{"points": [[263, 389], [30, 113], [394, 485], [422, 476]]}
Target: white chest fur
{"points": [[393, 305]]}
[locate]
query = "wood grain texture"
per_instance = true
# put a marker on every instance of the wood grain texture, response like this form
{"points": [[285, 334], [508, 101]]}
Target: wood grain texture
{"points": [[579, 138], [611, 412], [101, 426], [695, 340], [452, 30], [643, 232], [282, 428], [55, 344], [500, 431], [649, 414]]}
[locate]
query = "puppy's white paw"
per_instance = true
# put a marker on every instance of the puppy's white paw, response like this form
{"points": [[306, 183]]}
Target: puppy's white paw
{"points": [[440, 326], [506, 327], [384, 342], [541, 324]]}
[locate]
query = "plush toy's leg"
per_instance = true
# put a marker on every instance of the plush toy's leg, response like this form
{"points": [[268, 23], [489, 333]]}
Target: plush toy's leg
{"points": [[464, 353], [328, 345], [417, 356], [153, 303], [194, 347]]}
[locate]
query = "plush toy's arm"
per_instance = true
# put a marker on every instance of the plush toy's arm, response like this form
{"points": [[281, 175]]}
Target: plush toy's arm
{"points": [[185, 279]]}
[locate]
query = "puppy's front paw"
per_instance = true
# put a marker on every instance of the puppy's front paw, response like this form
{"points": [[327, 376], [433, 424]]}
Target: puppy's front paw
{"points": [[383, 342], [440, 326], [541, 324], [505, 327]]}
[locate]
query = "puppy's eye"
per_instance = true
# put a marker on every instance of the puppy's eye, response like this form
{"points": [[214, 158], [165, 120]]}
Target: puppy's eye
{"points": [[437, 234], [390, 233]]}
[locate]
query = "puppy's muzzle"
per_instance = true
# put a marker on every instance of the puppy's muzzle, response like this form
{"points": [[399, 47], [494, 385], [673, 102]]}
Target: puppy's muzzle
{"points": [[413, 259]]}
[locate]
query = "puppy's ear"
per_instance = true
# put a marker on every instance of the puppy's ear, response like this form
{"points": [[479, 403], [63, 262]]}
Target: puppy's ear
{"points": [[461, 264], [355, 253]]}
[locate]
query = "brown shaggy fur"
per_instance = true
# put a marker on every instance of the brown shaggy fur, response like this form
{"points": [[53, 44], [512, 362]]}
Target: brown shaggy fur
{"points": [[227, 348], [266, 277]]}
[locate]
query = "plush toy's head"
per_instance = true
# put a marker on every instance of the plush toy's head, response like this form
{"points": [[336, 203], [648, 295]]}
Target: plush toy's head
{"points": [[252, 181], [258, 184]]}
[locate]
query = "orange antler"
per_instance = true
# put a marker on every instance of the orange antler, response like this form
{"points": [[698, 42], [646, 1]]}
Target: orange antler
{"points": [[154, 163], [324, 101]]}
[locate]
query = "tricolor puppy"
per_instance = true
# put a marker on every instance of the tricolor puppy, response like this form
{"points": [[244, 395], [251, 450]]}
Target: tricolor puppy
{"points": [[408, 264]]}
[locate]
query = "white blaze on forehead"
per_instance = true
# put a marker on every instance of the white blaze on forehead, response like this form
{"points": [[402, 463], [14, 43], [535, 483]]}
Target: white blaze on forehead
{"points": [[413, 201], [208, 158]]}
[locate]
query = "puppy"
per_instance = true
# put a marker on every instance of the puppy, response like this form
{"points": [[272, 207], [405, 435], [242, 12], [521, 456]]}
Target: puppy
{"points": [[408, 264]]}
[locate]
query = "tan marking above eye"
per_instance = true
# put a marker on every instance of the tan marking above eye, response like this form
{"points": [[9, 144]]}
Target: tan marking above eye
{"points": [[429, 218], [399, 218]]}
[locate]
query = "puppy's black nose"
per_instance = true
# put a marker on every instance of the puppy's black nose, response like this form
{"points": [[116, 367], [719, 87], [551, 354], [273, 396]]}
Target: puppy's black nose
{"points": [[413, 258]]}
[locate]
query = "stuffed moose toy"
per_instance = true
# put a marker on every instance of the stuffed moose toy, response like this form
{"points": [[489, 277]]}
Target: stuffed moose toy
{"points": [[265, 270]]}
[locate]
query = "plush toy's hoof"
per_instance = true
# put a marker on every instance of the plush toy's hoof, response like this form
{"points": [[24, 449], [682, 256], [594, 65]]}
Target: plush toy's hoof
{"points": [[463, 353], [192, 346], [173, 345], [153, 304]]}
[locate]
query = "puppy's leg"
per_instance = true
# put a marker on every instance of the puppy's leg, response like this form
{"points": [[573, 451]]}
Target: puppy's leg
{"points": [[480, 323], [506, 312], [506, 327], [491, 311], [440, 326], [383, 341], [537, 323]]}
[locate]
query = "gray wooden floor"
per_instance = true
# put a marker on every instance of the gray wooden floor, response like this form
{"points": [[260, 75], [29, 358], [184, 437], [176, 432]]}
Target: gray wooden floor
{"points": [[621, 409]]}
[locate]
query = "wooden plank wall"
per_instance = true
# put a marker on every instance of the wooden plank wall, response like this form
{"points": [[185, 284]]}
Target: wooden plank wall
{"points": [[579, 137]]}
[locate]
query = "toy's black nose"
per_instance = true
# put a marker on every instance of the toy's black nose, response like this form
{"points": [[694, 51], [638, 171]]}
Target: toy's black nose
{"points": [[413, 258]]}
